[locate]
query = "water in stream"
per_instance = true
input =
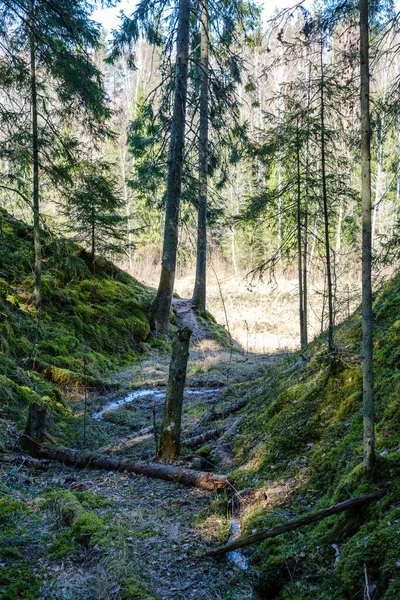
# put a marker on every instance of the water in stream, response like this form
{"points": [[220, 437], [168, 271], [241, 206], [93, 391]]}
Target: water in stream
{"points": [[152, 394]]}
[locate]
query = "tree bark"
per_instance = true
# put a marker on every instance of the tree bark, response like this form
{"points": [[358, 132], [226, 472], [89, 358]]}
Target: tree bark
{"points": [[367, 316], [231, 408], [212, 434], [303, 342], [86, 460], [35, 161], [170, 439], [160, 309], [35, 429], [275, 531], [199, 293], [326, 211]]}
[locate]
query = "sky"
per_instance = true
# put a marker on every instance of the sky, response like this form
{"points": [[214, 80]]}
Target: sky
{"points": [[109, 17]]}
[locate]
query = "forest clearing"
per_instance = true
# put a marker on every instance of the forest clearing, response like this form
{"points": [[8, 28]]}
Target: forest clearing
{"points": [[199, 300]]}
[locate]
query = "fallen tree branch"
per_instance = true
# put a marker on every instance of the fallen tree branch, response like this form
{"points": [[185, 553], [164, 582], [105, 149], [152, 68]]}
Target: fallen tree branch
{"points": [[231, 408], [128, 440], [231, 430], [75, 458], [207, 435], [306, 520]]}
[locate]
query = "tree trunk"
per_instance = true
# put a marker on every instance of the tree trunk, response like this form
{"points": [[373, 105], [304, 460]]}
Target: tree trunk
{"points": [[326, 211], [199, 294], [170, 439], [92, 254], [303, 342], [305, 259], [35, 429], [86, 460], [160, 309], [367, 342], [35, 161]]}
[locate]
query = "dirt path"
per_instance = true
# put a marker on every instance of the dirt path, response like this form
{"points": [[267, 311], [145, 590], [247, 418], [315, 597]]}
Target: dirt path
{"points": [[186, 317]]}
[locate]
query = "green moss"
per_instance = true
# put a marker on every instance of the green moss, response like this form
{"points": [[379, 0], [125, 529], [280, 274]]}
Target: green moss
{"points": [[132, 589], [88, 527], [90, 325], [19, 530]]}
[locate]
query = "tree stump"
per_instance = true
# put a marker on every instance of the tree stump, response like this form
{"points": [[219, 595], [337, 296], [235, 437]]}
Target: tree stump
{"points": [[35, 429], [170, 441]]}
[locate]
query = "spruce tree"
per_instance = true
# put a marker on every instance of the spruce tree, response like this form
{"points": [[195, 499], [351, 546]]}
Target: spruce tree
{"points": [[48, 66]]}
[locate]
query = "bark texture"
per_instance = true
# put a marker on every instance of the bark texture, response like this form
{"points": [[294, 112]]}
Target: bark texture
{"points": [[86, 460], [170, 438], [325, 205], [35, 429], [160, 310], [199, 294], [35, 162], [212, 434], [367, 343], [275, 531]]}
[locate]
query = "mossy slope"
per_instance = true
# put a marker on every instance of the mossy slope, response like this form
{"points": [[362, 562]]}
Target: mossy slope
{"points": [[89, 326], [303, 433]]}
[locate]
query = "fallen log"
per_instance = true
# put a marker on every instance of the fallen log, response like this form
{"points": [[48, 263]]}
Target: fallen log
{"points": [[207, 415], [294, 524], [24, 461], [76, 458], [231, 408], [231, 430], [126, 441], [204, 437]]}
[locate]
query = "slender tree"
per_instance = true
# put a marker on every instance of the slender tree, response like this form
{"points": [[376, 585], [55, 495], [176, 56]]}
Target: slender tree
{"points": [[35, 160], [160, 309], [199, 294], [47, 66], [325, 202], [367, 316]]}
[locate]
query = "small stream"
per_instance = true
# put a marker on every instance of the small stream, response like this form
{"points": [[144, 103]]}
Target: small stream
{"points": [[152, 394], [236, 556]]}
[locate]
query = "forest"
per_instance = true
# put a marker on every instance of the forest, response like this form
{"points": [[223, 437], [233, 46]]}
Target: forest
{"points": [[199, 300]]}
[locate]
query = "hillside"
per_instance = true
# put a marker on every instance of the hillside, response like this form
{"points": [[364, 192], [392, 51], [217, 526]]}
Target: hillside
{"points": [[293, 449], [90, 324], [300, 449]]}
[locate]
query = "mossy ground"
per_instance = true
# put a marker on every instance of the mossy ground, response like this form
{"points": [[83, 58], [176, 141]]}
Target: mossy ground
{"points": [[89, 326]]}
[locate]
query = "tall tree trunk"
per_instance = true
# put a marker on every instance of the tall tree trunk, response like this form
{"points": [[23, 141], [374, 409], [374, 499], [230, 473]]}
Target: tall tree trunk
{"points": [[170, 439], [122, 157], [303, 343], [367, 342], [160, 309], [379, 171], [93, 245], [35, 160], [305, 261], [396, 208], [199, 294], [326, 211]]}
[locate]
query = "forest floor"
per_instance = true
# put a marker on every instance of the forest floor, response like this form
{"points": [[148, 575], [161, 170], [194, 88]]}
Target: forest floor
{"points": [[150, 531]]}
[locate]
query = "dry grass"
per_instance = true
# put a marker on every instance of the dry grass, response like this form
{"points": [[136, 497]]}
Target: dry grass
{"points": [[263, 316]]}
